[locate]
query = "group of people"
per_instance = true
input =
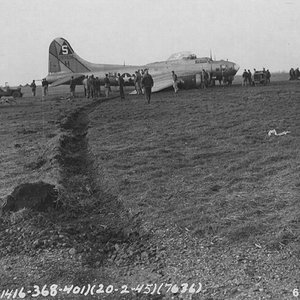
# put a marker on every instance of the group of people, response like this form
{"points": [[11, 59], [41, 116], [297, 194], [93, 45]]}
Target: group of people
{"points": [[137, 79], [143, 83], [248, 79], [294, 74], [45, 85], [91, 85]]}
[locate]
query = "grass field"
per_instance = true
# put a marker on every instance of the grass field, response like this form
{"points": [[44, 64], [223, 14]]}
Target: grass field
{"points": [[209, 196], [204, 160]]}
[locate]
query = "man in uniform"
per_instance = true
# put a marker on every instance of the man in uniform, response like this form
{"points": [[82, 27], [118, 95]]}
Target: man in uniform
{"points": [[147, 84], [72, 87], [206, 78], [297, 73], [175, 82], [137, 82], [97, 87], [107, 85], [85, 86], [92, 86], [268, 76], [33, 88], [265, 76], [245, 77], [121, 86], [249, 77], [45, 86], [202, 79]]}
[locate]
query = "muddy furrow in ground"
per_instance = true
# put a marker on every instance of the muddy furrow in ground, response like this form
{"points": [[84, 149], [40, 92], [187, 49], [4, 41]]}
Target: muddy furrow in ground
{"points": [[65, 155], [81, 189], [121, 245], [89, 223], [73, 204], [76, 159]]}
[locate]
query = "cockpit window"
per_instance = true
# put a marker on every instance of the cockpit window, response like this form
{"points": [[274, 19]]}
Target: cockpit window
{"points": [[191, 56], [182, 55]]}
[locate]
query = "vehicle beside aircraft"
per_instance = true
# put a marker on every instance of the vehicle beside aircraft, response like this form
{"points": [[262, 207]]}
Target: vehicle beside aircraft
{"points": [[8, 91], [64, 63]]}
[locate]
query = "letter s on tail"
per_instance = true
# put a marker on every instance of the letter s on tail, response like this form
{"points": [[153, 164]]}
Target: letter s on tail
{"points": [[63, 59]]}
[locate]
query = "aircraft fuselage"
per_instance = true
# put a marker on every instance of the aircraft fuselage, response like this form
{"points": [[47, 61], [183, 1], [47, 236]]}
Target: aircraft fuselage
{"points": [[65, 63]]}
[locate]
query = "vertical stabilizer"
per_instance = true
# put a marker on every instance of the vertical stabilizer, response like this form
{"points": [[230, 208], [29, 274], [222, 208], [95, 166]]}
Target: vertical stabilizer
{"points": [[63, 59]]}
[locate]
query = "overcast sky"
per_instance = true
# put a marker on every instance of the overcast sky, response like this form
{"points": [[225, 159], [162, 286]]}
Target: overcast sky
{"points": [[252, 33]]}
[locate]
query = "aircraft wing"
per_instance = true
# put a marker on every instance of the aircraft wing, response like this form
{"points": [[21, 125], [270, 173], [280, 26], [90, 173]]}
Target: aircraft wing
{"points": [[160, 85], [164, 80], [161, 82], [66, 79]]}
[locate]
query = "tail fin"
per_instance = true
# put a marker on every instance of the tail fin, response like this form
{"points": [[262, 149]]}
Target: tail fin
{"points": [[62, 58]]}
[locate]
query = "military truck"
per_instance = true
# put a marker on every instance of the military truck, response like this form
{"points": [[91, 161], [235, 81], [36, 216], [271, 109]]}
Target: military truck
{"points": [[8, 91], [260, 77]]}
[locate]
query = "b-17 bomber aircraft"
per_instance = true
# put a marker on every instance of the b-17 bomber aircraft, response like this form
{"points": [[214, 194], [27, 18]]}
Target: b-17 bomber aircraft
{"points": [[64, 63]]}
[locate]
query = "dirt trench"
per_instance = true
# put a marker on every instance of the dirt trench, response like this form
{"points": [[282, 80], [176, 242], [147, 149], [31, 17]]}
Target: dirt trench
{"points": [[117, 237], [81, 187], [70, 194], [88, 223]]}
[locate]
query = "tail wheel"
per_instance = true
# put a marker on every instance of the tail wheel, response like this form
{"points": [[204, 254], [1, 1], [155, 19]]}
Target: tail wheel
{"points": [[16, 94]]}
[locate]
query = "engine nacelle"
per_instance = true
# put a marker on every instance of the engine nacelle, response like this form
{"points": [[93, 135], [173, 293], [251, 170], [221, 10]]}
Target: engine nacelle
{"points": [[190, 81]]}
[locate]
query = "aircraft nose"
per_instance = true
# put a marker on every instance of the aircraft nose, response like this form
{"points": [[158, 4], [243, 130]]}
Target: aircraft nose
{"points": [[236, 67]]}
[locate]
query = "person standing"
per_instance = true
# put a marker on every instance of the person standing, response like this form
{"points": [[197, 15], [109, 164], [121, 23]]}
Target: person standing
{"points": [[265, 81], [147, 84], [97, 87], [297, 74], [45, 86], [139, 81], [72, 87], [92, 86], [249, 77], [175, 82], [245, 77], [33, 88], [107, 85], [142, 73], [253, 79], [121, 86], [133, 76], [292, 74], [268, 76], [206, 78], [202, 79], [85, 86]]}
